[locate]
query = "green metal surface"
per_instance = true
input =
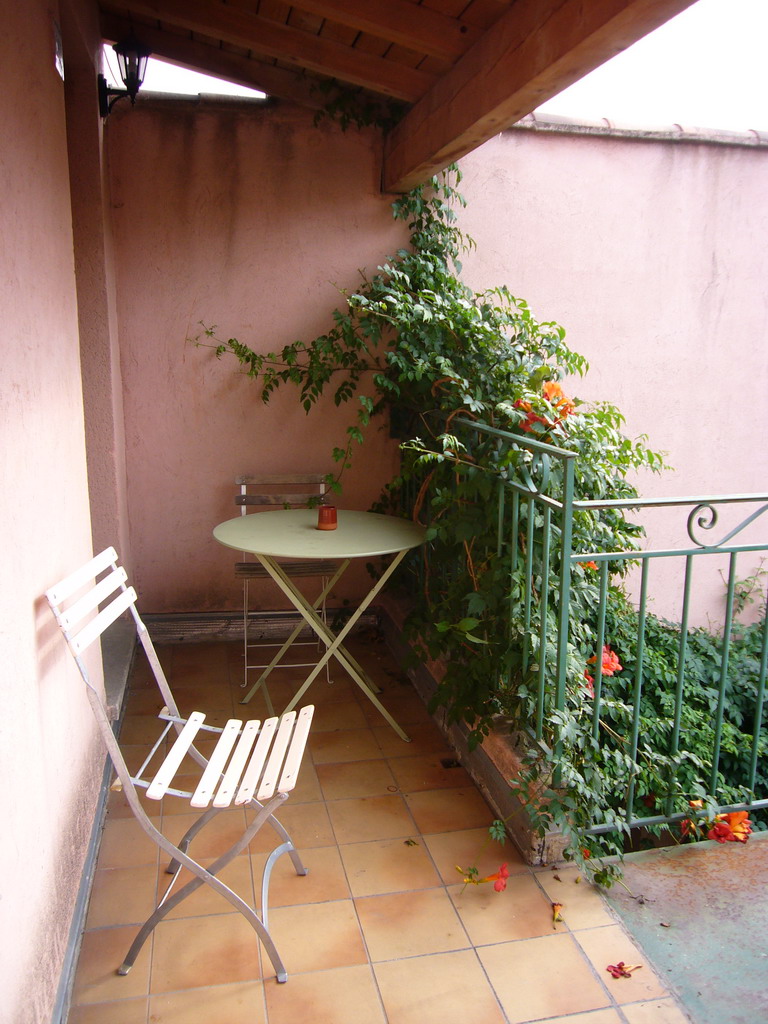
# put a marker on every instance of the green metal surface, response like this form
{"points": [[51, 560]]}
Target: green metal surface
{"points": [[536, 509], [699, 913]]}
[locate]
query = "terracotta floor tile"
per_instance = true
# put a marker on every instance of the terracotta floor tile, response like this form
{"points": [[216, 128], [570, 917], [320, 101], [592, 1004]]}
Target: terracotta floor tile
{"points": [[356, 778], [345, 745], [656, 1011], [434, 990], [591, 1017], [542, 978], [241, 1003], [472, 848], [347, 995], [433, 925], [203, 951], [101, 953], [522, 911], [213, 839], [402, 702], [608, 945], [426, 771], [583, 906], [147, 701], [122, 896], [191, 663], [446, 810], [214, 700], [117, 804], [205, 900], [307, 824], [332, 717], [325, 881], [425, 738], [380, 893], [125, 844], [123, 1011], [317, 936], [391, 865], [308, 785], [369, 818]]}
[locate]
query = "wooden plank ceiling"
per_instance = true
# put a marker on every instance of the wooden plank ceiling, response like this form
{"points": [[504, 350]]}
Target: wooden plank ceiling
{"points": [[446, 74]]}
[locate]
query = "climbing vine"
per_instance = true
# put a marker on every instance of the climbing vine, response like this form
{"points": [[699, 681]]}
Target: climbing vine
{"points": [[415, 343]]}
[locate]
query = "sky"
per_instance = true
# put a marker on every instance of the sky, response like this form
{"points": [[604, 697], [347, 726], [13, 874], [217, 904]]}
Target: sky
{"points": [[706, 68]]}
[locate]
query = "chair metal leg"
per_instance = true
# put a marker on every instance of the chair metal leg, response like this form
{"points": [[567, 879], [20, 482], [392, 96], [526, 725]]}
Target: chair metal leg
{"points": [[209, 876]]}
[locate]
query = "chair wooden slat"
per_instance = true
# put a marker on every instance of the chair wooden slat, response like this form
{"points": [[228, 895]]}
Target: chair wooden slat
{"points": [[274, 765], [256, 763], [170, 766], [216, 762], [292, 765], [70, 584], [96, 626], [226, 791], [77, 611]]}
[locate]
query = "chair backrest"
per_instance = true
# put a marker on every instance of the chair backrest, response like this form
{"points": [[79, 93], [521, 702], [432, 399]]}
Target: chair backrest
{"points": [[86, 603], [273, 491]]}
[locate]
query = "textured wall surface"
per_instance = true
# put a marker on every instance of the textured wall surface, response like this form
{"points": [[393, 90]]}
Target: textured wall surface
{"points": [[252, 220], [48, 763]]}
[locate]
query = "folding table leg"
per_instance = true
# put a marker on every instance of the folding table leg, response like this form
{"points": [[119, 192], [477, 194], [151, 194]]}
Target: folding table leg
{"points": [[289, 642], [334, 644]]}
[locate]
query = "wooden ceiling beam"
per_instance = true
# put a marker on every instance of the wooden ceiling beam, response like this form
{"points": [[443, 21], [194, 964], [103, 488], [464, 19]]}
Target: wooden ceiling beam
{"points": [[535, 50], [399, 21], [196, 56], [323, 56]]}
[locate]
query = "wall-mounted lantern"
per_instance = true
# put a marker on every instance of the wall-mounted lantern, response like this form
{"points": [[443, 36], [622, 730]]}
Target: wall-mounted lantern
{"points": [[132, 57]]}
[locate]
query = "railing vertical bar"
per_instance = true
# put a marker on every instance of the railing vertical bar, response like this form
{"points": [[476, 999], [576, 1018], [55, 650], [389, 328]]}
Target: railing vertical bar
{"points": [[543, 625], [638, 687], [514, 550], [529, 537], [759, 704], [681, 657], [501, 508], [598, 683], [723, 672], [564, 605]]}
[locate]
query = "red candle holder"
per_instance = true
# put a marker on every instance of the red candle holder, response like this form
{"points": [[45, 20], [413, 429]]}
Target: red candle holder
{"points": [[326, 517]]}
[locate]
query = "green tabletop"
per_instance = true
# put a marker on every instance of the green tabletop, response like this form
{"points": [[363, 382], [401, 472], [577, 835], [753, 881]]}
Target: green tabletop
{"points": [[293, 533]]}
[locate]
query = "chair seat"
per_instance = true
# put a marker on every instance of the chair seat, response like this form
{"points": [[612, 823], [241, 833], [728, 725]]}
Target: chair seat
{"points": [[255, 570], [250, 761]]}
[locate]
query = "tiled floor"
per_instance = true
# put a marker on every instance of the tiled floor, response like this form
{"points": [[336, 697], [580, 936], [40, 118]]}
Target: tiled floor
{"points": [[381, 929]]}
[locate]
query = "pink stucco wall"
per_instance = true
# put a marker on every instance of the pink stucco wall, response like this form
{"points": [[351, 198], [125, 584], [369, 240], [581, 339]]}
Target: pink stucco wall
{"points": [[250, 219], [650, 254], [48, 762]]}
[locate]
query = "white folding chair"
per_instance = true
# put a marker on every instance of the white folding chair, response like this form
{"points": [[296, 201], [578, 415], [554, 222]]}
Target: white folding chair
{"points": [[268, 492], [253, 765]]}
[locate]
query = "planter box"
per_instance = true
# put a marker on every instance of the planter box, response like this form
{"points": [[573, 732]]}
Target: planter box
{"points": [[491, 765]]}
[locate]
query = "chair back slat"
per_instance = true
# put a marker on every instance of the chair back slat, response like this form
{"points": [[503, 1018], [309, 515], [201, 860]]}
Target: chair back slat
{"points": [[105, 618], [77, 580], [90, 601], [162, 781], [280, 490]]}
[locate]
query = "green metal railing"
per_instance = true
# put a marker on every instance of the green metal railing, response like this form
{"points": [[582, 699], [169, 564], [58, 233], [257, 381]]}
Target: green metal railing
{"points": [[535, 531]]}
